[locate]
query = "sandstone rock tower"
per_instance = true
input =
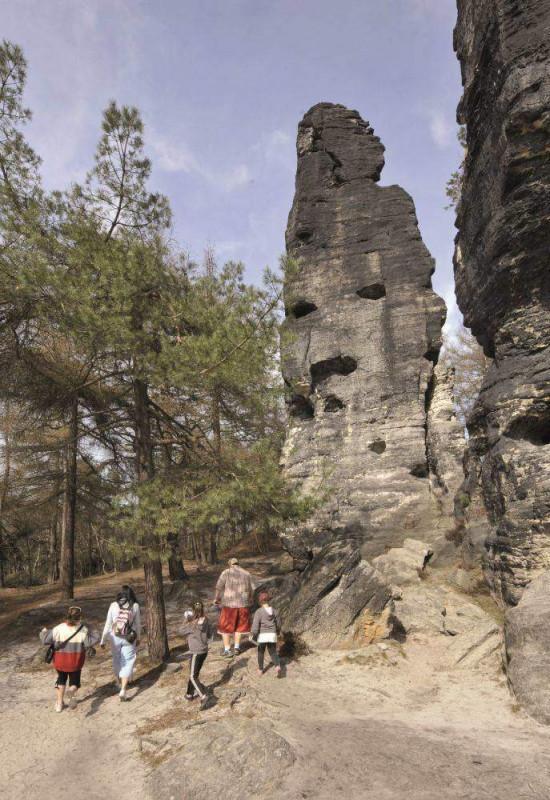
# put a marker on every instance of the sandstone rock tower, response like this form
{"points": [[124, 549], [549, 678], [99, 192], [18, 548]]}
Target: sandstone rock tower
{"points": [[503, 288], [361, 339], [502, 272]]}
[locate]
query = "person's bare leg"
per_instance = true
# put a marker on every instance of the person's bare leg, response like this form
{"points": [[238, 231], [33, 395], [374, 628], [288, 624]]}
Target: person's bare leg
{"points": [[238, 640], [71, 694], [59, 695], [226, 641], [123, 684]]}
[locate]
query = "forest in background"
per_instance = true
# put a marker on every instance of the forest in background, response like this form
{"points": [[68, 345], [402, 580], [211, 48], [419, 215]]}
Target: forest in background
{"points": [[142, 408]]}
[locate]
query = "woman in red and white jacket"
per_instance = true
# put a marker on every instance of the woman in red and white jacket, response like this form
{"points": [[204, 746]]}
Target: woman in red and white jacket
{"points": [[71, 640]]}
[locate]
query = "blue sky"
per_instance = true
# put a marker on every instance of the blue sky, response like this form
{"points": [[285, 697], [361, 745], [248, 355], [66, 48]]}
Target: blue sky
{"points": [[222, 85]]}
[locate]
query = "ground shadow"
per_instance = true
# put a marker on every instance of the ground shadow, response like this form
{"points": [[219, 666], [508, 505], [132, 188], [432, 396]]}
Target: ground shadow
{"points": [[106, 690]]}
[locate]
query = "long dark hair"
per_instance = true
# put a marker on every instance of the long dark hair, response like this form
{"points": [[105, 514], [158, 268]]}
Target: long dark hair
{"points": [[126, 594], [198, 610]]}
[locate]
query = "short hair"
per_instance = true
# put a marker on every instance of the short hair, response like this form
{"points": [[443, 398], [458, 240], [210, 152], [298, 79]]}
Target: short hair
{"points": [[74, 614], [264, 597]]}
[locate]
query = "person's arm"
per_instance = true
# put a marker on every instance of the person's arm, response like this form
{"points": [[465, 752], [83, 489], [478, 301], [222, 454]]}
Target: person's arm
{"points": [[250, 589], [220, 586], [46, 636], [136, 625], [91, 638], [277, 622], [255, 625], [187, 629], [108, 625]]}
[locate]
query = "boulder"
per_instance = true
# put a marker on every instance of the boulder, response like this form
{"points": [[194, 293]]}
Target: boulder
{"points": [[404, 565]]}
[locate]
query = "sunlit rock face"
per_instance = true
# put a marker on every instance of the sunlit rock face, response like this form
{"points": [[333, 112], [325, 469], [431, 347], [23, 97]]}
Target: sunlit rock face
{"points": [[503, 276], [361, 338]]}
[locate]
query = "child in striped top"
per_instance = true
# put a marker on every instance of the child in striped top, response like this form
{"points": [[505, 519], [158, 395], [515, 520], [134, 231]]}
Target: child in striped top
{"points": [[71, 640]]}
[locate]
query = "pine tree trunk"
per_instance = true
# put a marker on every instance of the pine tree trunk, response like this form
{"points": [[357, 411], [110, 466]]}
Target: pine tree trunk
{"points": [[175, 564], [214, 546], [157, 635], [29, 563], [4, 491], [90, 552], [69, 521], [53, 558]]}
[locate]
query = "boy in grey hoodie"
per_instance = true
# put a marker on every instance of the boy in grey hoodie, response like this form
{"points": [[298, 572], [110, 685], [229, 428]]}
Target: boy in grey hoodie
{"points": [[198, 631], [265, 628]]}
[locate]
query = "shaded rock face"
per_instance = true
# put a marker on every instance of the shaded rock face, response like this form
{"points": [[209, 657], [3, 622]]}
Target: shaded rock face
{"points": [[359, 345], [503, 277], [527, 639]]}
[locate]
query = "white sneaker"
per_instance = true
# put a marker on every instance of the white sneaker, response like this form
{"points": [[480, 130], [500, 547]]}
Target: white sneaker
{"points": [[59, 707], [72, 698], [122, 695]]}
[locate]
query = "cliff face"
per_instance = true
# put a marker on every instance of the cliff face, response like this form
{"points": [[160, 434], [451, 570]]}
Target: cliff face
{"points": [[502, 272], [362, 335], [503, 288]]}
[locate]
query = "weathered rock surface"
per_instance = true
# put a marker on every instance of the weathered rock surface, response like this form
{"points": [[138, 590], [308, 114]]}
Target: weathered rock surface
{"points": [[240, 752], [333, 593], [527, 639], [370, 424], [444, 441], [503, 277], [402, 566]]}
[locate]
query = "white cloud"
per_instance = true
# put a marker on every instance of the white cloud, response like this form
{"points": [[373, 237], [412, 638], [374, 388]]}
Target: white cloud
{"points": [[276, 148], [442, 130], [235, 178], [171, 157]]}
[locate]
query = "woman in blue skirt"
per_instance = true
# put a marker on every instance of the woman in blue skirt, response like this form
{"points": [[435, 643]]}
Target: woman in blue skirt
{"points": [[123, 629]]}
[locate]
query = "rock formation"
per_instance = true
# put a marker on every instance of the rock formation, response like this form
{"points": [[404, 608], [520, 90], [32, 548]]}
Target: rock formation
{"points": [[503, 286], [502, 275], [368, 417]]}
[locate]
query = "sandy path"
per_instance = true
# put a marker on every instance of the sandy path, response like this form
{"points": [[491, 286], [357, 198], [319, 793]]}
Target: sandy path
{"points": [[343, 725]]}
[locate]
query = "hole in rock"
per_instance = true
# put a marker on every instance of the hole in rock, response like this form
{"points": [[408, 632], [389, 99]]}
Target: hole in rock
{"points": [[378, 446], [533, 429], [302, 308], [374, 291], [398, 631], [333, 403], [339, 365], [432, 355], [420, 470], [301, 407], [304, 236]]}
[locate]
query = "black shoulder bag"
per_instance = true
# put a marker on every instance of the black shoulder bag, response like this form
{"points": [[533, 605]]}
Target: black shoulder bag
{"points": [[53, 647]]}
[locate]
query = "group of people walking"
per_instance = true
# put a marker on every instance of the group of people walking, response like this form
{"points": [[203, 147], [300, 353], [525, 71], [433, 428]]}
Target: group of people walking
{"points": [[69, 642]]}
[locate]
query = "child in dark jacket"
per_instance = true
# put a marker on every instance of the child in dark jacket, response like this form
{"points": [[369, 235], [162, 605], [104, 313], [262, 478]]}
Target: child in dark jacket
{"points": [[198, 631], [265, 627]]}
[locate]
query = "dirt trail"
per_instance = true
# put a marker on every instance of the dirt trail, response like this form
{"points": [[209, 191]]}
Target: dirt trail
{"points": [[380, 723]]}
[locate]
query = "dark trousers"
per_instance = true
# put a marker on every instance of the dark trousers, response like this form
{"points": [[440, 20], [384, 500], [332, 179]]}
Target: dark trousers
{"points": [[194, 684], [74, 678], [272, 649]]}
